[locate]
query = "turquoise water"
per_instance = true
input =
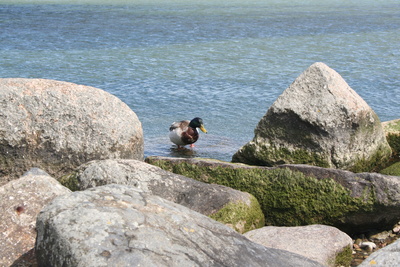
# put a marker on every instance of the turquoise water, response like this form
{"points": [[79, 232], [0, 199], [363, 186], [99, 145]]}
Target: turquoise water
{"points": [[224, 61]]}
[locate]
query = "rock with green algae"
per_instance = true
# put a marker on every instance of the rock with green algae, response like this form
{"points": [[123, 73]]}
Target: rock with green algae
{"points": [[319, 120], [239, 210], [292, 195], [392, 131], [240, 216], [393, 169]]}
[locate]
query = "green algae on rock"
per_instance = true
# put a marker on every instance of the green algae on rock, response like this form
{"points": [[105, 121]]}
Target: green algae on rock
{"points": [[70, 181], [393, 169], [392, 130], [344, 257], [287, 198], [239, 210], [240, 216], [318, 120], [272, 155]]}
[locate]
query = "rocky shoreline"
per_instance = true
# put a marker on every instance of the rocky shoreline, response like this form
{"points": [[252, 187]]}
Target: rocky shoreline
{"points": [[76, 190], [35, 185]]}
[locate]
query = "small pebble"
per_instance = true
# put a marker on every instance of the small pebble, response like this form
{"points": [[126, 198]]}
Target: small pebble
{"points": [[368, 245]]}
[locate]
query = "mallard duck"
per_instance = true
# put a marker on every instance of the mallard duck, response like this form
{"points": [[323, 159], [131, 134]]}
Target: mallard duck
{"points": [[185, 132]]}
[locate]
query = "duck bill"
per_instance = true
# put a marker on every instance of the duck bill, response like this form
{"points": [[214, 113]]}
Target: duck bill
{"points": [[203, 129]]}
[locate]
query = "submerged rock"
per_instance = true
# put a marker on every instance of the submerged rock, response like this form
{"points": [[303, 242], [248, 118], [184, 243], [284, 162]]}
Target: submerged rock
{"points": [[117, 225], [324, 244], [239, 210], [58, 126], [319, 120]]}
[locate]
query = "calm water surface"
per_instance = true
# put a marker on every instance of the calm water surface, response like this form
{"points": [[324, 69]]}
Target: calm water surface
{"points": [[224, 61]]}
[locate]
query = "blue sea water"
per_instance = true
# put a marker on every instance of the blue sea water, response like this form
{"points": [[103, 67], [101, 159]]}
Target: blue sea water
{"points": [[224, 61]]}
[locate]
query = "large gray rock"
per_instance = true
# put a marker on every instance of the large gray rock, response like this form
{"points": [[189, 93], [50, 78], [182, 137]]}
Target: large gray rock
{"points": [[58, 126], [117, 225], [324, 244], [20, 202], [318, 120], [209, 199], [385, 257]]}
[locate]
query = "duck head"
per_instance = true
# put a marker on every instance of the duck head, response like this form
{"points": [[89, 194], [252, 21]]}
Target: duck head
{"points": [[197, 123]]}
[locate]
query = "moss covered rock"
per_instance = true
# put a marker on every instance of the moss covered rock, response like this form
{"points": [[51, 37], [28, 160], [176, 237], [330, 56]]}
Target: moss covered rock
{"points": [[240, 216], [393, 169], [392, 131], [319, 120], [295, 195], [239, 210]]}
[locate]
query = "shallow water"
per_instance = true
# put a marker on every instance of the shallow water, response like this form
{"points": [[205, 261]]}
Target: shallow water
{"points": [[224, 61]]}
